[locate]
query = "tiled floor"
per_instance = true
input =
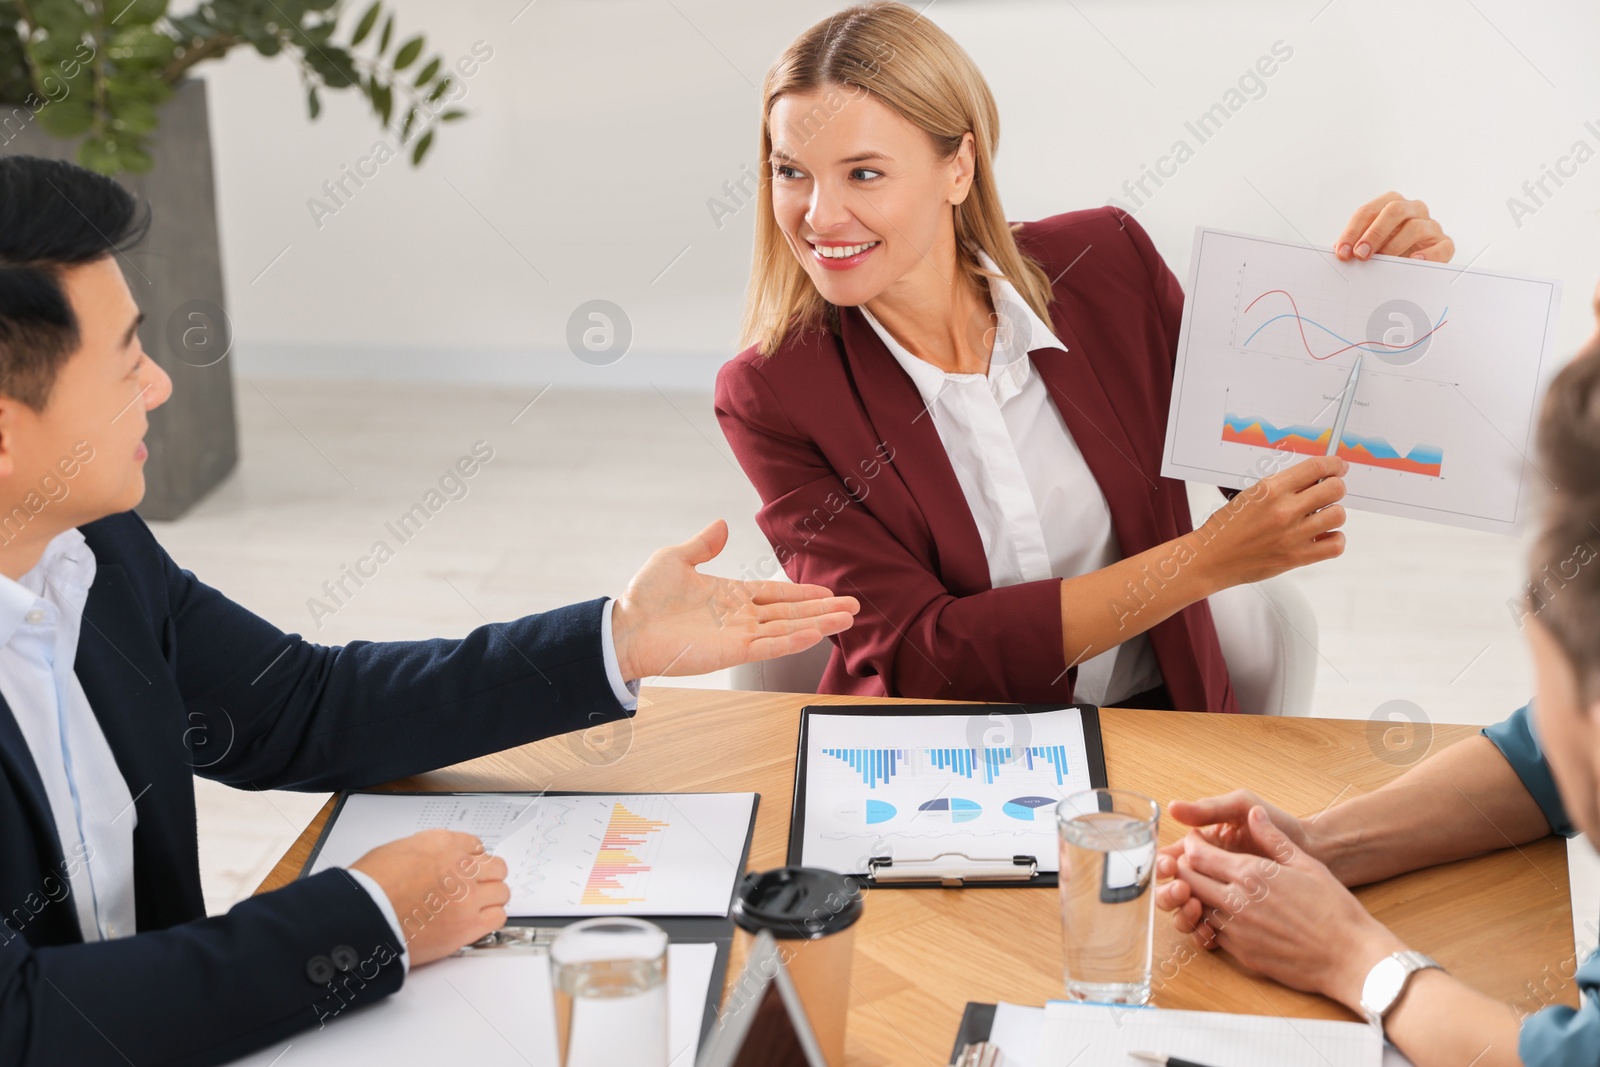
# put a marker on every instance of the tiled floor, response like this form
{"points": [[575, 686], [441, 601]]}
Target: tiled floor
{"points": [[581, 487]]}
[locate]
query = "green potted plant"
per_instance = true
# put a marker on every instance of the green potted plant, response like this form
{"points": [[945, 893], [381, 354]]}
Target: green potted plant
{"points": [[102, 71], [110, 84]]}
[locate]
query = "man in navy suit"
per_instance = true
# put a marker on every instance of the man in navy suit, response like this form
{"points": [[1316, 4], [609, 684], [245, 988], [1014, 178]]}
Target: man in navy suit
{"points": [[111, 654]]}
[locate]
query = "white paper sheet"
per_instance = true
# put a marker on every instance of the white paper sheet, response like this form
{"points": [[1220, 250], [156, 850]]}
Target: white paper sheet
{"points": [[625, 854], [1453, 362], [913, 786], [1020, 1032], [1017, 1030], [1092, 1033], [486, 1009]]}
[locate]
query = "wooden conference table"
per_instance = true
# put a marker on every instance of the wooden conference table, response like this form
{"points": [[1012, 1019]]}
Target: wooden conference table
{"points": [[1502, 922]]}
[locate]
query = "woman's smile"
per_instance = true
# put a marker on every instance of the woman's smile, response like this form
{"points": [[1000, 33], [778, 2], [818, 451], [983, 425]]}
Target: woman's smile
{"points": [[836, 255]]}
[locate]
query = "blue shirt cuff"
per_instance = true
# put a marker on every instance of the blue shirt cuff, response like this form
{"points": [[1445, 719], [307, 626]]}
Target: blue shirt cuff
{"points": [[627, 692], [380, 898]]}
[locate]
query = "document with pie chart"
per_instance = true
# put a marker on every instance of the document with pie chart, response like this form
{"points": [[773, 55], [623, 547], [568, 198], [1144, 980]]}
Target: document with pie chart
{"points": [[982, 784], [1453, 364]]}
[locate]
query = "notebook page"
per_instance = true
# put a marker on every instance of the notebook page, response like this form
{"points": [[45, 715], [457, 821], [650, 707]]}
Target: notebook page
{"points": [[1091, 1033]]}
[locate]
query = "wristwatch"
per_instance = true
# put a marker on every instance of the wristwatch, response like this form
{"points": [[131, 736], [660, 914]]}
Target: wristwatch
{"points": [[1386, 984]]}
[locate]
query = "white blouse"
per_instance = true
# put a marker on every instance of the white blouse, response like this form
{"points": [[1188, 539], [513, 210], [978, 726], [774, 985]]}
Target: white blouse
{"points": [[1038, 508]]}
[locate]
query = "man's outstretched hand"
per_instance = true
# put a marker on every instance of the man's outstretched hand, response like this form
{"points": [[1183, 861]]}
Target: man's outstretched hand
{"points": [[674, 620]]}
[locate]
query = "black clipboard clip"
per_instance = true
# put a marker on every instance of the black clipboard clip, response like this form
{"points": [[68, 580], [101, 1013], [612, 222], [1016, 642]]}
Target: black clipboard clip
{"points": [[952, 870]]}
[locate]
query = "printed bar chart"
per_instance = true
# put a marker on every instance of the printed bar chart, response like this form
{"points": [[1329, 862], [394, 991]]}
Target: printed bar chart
{"points": [[873, 764], [879, 766], [617, 859]]}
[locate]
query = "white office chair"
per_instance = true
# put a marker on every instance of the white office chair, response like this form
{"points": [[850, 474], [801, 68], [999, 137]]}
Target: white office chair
{"points": [[800, 672], [1268, 634], [1267, 630]]}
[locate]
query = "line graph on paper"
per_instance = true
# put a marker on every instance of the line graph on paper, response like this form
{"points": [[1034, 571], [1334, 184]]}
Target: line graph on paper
{"points": [[1451, 365]]}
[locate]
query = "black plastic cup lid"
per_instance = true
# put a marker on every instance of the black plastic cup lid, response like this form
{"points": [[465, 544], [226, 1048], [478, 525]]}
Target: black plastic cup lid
{"points": [[797, 903]]}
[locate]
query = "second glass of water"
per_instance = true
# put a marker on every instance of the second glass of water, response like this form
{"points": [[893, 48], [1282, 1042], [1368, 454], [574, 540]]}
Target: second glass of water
{"points": [[1108, 853], [610, 979]]}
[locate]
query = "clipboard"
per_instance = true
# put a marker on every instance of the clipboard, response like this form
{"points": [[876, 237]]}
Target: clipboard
{"points": [[947, 869], [535, 933], [977, 1021]]}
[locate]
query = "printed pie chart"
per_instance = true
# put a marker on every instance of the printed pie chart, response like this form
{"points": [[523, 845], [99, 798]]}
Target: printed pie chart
{"points": [[952, 808], [867, 811], [1026, 808]]}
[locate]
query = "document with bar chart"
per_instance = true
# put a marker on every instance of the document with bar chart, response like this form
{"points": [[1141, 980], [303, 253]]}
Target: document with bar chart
{"points": [[572, 854], [982, 783], [1452, 363]]}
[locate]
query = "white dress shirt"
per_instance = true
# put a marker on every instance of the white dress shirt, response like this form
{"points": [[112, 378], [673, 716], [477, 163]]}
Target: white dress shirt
{"points": [[40, 617], [1038, 508]]}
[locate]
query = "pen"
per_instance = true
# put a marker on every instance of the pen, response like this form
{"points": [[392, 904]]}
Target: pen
{"points": [[1345, 401], [1164, 1061]]}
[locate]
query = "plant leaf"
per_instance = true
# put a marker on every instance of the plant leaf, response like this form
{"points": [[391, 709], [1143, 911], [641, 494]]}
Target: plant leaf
{"points": [[364, 27], [423, 144], [452, 115], [408, 53], [262, 41], [141, 45], [67, 118], [386, 102], [313, 102], [425, 75], [133, 117], [388, 31], [98, 155], [334, 65], [136, 12]]}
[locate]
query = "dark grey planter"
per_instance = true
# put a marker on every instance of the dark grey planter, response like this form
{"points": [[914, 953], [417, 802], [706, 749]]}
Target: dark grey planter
{"points": [[176, 276]]}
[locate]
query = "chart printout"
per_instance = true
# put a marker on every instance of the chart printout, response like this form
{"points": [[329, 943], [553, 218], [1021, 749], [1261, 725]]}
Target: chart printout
{"points": [[912, 787], [624, 854], [1453, 364]]}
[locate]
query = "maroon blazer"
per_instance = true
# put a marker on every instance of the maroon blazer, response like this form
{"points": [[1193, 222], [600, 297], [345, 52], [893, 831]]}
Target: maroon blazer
{"points": [[858, 493]]}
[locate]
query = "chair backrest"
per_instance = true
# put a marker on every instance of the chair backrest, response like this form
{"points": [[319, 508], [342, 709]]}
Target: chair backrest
{"points": [[1268, 634], [800, 672], [1267, 630]]}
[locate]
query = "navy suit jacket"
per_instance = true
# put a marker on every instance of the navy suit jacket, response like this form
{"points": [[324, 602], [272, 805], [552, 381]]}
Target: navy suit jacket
{"points": [[184, 682]]}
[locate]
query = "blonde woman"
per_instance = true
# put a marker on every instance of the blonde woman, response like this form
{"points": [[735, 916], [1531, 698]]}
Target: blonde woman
{"points": [[959, 420]]}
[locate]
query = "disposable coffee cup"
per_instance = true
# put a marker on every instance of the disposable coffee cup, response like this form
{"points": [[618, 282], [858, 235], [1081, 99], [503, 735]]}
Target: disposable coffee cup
{"points": [[811, 912]]}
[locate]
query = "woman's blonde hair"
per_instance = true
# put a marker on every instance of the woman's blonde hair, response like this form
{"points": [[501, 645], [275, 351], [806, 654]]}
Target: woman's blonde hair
{"points": [[917, 70]]}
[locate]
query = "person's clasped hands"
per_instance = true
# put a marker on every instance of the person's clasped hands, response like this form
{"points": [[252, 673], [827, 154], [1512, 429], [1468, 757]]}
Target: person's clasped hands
{"points": [[1252, 879]]}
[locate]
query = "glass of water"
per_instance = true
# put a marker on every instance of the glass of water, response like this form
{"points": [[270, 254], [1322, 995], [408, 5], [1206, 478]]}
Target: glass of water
{"points": [[1108, 855], [610, 978]]}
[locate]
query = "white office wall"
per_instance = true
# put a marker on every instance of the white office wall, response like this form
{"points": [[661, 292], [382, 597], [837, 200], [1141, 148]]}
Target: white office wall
{"points": [[599, 130]]}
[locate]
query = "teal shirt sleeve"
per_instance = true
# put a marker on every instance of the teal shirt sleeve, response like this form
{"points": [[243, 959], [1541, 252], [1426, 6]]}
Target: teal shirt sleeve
{"points": [[1515, 739], [1557, 1035], [1560, 1035]]}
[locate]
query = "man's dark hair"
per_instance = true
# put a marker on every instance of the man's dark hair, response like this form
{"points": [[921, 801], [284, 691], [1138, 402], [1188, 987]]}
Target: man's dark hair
{"points": [[53, 215]]}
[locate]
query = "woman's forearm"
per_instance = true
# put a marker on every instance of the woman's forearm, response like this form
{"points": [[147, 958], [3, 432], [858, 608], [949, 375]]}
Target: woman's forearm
{"points": [[1460, 802], [1104, 608]]}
